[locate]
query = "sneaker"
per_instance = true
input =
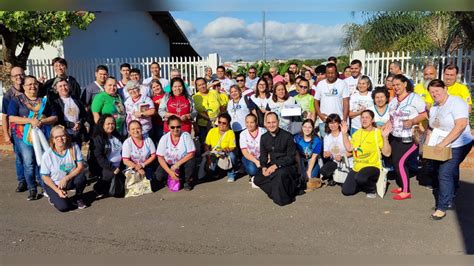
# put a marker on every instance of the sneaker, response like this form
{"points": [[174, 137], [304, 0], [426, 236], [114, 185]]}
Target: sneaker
{"points": [[80, 204], [331, 183], [230, 179], [250, 179], [429, 187], [50, 202], [45, 194], [22, 187], [371, 195], [253, 184], [33, 195]]}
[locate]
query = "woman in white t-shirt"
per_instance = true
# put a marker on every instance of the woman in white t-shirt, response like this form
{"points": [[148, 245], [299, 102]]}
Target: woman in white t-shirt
{"points": [[450, 114], [359, 101], [238, 108], [107, 151], [334, 148], [62, 169], [381, 97], [138, 151], [139, 107], [276, 103], [250, 145], [406, 109], [175, 154]]}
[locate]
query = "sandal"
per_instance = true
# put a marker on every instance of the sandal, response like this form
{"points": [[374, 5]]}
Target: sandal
{"points": [[436, 215]]}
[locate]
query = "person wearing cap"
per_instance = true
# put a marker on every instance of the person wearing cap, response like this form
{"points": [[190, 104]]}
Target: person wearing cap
{"points": [[139, 107], [60, 71], [70, 111]]}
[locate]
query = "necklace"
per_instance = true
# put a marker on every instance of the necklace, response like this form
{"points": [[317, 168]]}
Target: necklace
{"points": [[362, 138]]}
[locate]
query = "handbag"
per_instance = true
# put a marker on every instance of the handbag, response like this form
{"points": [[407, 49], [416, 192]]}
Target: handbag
{"points": [[117, 186], [381, 184], [135, 184], [224, 161], [342, 171], [173, 185]]}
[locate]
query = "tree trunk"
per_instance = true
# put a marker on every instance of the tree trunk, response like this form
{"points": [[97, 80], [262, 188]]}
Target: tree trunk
{"points": [[10, 43]]}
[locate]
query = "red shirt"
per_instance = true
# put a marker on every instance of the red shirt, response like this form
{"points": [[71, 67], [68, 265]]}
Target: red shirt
{"points": [[156, 118], [179, 105]]}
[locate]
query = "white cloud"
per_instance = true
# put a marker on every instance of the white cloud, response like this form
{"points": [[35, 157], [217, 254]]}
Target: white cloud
{"points": [[187, 27], [233, 39], [225, 27]]}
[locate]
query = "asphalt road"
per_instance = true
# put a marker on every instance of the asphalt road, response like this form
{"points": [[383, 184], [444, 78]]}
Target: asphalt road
{"points": [[220, 218]]}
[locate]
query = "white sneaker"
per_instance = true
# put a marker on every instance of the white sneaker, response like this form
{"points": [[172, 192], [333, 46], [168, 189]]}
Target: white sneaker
{"points": [[371, 195], [253, 184], [45, 194]]}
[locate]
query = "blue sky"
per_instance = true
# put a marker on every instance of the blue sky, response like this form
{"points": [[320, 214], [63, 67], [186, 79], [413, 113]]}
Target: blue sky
{"points": [[237, 35]]}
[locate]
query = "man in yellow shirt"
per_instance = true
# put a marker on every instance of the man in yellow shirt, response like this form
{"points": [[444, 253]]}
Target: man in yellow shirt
{"points": [[455, 88], [429, 73]]}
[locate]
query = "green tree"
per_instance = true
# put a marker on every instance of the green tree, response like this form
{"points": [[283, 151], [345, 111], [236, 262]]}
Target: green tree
{"points": [[32, 28], [411, 31]]}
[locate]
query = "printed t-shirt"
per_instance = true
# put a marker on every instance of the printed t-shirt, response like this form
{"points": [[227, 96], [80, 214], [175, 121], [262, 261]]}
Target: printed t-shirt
{"points": [[56, 166], [251, 144], [173, 152], [135, 153], [366, 150]]}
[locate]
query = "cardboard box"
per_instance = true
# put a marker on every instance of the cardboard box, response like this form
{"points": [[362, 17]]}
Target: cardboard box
{"points": [[433, 153]]}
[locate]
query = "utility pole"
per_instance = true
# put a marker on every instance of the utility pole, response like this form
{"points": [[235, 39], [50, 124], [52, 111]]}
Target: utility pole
{"points": [[264, 39]]}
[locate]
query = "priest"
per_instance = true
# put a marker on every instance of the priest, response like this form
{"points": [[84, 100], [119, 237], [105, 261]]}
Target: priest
{"points": [[278, 175]]}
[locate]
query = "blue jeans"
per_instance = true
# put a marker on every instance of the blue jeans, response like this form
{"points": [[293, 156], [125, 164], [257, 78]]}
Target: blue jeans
{"points": [[20, 174], [448, 176], [304, 167], [30, 167], [249, 166]]}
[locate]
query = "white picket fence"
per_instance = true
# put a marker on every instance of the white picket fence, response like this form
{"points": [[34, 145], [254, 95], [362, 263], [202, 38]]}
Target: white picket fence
{"points": [[83, 69], [376, 65]]}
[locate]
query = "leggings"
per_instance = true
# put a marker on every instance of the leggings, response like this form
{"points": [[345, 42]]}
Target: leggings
{"points": [[400, 153]]}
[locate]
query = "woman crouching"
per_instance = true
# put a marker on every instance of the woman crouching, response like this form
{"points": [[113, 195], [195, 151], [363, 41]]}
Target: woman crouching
{"points": [[62, 169]]}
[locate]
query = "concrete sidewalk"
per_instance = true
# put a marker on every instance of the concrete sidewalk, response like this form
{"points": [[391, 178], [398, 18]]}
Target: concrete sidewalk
{"points": [[220, 218]]}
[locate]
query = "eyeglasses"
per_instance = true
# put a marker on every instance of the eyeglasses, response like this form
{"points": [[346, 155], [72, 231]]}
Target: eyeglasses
{"points": [[239, 80], [304, 87], [222, 123], [18, 75], [59, 137], [175, 127]]}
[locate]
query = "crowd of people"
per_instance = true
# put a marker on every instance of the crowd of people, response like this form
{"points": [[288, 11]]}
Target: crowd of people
{"points": [[290, 134]]}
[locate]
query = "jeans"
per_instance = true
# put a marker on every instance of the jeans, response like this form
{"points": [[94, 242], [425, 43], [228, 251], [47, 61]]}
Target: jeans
{"points": [[448, 176], [304, 167], [30, 167], [65, 204], [156, 133], [249, 166], [186, 172], [20, 174]]}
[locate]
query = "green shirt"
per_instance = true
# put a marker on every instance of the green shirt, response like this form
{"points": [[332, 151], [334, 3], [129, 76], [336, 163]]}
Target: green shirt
{"points": [[306, 102], [112, 105]]}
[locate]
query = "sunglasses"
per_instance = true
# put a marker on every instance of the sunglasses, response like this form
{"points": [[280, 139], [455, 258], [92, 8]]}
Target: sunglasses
{"points": [[175, 127], [239, 80], [222, 123], [304, 87]]}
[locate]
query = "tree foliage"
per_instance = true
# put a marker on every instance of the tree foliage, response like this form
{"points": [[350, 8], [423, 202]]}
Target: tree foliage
{"points": [[32, 28], [411, 31]]}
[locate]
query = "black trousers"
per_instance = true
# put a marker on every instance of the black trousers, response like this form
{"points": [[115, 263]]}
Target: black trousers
{"points": [[65, 204], [280, 186], [364, 180], [187, 169]]}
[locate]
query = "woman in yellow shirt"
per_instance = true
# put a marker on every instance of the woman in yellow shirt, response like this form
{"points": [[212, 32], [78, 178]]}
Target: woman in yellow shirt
{"points": [[366, 144], [220, 143]]}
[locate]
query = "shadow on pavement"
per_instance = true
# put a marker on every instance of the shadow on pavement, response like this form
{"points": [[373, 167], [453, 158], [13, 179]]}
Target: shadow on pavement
{"points": [[464, 209]]}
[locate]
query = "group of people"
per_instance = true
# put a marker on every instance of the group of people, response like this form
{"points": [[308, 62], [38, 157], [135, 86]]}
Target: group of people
{"points": [[289, 133]]}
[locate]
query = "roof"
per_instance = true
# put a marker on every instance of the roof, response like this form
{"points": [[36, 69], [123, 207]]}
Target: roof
{"points": [[179, 43]]}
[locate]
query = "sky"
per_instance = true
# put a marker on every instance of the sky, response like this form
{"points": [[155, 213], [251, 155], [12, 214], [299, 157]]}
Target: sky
{"points": [[238, 35]]}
